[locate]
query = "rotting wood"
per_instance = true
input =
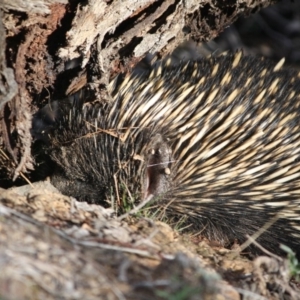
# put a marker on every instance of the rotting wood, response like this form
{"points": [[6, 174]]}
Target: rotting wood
{"points": [[31, 7]]}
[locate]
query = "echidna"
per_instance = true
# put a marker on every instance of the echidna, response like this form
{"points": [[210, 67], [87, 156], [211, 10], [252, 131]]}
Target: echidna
{"points": [[214, 143]]}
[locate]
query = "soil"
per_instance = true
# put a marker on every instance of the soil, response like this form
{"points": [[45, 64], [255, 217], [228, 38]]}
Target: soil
{"points": [[54, 247]]}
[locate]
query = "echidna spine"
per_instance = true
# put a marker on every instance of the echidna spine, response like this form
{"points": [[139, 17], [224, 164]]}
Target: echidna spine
{"points": [[215, 142]]}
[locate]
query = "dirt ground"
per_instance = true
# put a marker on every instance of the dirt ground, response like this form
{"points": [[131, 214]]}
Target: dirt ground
{"points": [[54, 247]]}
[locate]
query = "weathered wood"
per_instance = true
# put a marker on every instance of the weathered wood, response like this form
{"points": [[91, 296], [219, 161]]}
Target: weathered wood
{"points": [[134, 28], [30, 7], [8, 85]]}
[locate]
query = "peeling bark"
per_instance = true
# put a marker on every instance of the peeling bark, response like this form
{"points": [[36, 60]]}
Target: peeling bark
{"points": [[8, 85], [31, 7]]}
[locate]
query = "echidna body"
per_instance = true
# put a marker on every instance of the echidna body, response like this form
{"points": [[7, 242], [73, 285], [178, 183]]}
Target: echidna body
{"points": [[214, 143]]}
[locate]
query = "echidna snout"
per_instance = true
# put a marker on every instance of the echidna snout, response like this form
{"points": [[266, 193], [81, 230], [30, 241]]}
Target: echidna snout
{"points": [[157, 174]]}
